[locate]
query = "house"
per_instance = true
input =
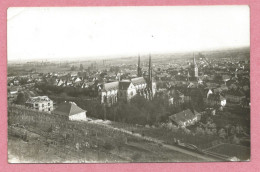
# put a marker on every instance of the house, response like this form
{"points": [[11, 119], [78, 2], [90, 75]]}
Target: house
{"points": [[40, 103], [216, 100], [187, 95], [225, 78], [70, 111], [185, 118], [176, 98], [13, 90]]}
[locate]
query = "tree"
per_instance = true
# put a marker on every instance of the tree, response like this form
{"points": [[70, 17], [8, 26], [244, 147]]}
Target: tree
{"points": [[222, 133], [20, 99], [23, 81]]}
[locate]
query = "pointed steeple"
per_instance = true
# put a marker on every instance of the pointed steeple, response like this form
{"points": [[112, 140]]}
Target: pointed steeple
{"points": [[194, 61], [150, 82], [196, 72], [150, 68], [139, 69]]}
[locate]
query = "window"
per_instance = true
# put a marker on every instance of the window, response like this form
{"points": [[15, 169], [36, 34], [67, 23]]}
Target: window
{"points": [[36, 104], [49, 109], [48, 104], [42, 105]]}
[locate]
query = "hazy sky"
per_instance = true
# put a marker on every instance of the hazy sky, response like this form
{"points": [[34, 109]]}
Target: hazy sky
{"points": [[67, 33]]}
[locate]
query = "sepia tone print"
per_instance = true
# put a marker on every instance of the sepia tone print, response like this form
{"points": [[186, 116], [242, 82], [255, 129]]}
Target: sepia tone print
{"points": [[128, 84]]}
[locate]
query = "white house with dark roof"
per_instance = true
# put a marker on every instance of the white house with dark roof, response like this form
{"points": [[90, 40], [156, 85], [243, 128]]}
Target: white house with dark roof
{"points": [[40, 103], [71, 111], [185, 118], [216, 100]]}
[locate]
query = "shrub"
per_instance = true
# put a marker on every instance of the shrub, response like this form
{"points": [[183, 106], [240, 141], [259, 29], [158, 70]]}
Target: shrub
{"points": [[108, 146], [136, 157]]}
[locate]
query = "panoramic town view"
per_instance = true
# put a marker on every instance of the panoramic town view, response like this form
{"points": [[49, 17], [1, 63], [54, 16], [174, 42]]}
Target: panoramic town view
{"points": [[143, 106]]}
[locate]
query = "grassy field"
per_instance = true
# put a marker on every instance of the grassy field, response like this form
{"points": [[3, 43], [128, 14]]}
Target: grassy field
{"points": [[36, 139], [241, 152]]}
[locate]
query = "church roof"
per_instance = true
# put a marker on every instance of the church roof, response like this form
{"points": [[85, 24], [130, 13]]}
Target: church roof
{"points": [[138, 80], [111, 86]]}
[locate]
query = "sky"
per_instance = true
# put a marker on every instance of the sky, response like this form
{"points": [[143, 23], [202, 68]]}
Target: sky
{"points": [[57, 33]]}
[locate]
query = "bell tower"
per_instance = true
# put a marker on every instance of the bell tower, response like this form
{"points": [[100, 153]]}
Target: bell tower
{"points": [[139, 69], [150, 80], [196, 71]]}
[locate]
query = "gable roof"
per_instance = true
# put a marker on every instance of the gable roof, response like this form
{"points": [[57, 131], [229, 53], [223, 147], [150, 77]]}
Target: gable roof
{"points": [[138, 80], [38, 99], [124, 85], [68, 109], [183, 116], [110, 86]]}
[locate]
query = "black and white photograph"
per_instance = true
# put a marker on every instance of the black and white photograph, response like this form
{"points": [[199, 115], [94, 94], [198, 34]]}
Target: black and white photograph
{"points": [[128, 84]]}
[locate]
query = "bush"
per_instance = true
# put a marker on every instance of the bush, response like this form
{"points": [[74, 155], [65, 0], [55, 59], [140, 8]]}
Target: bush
{"points": [[108, 146], [136, 157]]}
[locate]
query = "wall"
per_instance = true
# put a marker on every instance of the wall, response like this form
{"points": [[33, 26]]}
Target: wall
{"points": [[78, 117]]}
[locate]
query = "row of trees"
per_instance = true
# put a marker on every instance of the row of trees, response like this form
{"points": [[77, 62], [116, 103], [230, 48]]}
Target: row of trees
{"points": [[140, 111], [70, 91]]}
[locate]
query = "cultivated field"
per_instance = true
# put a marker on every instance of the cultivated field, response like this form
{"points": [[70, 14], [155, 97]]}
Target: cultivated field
{"points": [[37, 137]]}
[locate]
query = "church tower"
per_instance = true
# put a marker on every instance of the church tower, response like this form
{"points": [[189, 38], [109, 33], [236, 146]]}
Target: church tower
{"points": [[196, 71], [139, 69], [150, 80]]}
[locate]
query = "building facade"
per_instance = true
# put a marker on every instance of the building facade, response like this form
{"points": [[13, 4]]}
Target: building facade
{"points": [[40, 103], [125, 90], [70, 111]]}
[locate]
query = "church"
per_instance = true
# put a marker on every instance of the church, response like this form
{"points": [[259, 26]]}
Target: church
{"points": [[193, 72], [125, 90]]}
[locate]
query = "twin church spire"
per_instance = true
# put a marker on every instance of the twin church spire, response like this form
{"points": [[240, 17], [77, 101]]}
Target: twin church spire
{"points": [[149, 79], [139, 69]]}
